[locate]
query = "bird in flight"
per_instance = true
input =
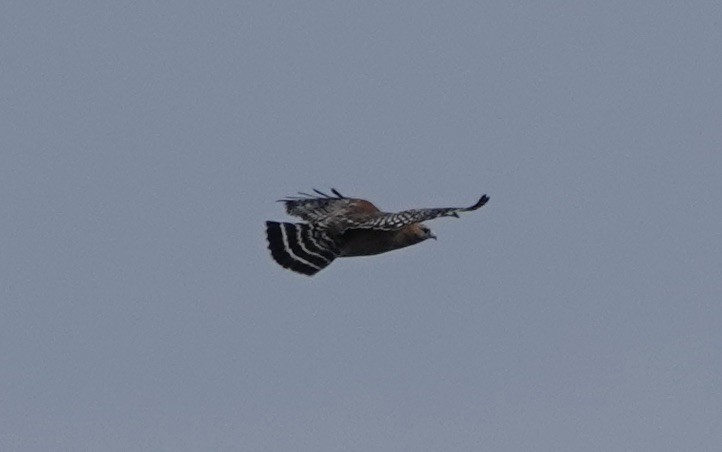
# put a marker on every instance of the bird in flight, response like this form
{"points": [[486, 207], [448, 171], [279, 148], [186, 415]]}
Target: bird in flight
{"points": [[338, 226]]}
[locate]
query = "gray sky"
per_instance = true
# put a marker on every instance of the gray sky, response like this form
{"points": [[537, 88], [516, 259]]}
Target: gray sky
{"points": [[145, 144]]}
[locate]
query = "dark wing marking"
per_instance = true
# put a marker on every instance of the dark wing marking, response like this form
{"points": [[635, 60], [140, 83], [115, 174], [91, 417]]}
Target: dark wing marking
{"points": [[393, 221], [325, 210]]}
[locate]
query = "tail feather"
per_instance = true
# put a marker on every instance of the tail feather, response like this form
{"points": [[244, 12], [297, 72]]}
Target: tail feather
{"points": [[299, 247]]}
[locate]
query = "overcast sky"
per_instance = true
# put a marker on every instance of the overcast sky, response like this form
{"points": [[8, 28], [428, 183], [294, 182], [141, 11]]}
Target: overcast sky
{"points": [[145, 143]]}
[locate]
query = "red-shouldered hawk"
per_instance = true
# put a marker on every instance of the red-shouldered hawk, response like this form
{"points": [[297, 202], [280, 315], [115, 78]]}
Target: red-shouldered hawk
{"points": [[338, 226]]}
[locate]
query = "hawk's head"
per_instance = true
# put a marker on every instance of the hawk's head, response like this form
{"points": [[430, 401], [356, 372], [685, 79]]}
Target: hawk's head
{"points": [[423, 233]]}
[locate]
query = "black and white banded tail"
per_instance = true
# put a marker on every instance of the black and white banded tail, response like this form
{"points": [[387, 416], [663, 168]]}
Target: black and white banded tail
{"points": [[300, 247]]}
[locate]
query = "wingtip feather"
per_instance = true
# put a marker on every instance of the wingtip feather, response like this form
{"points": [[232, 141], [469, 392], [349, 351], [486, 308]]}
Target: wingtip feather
{"points": [[483, 200]]}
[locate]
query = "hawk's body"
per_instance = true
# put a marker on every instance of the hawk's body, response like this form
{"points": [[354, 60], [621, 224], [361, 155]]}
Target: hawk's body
{"points": [[338, 226]]}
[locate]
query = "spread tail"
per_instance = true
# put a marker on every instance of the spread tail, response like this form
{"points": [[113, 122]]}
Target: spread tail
{"points": [[300, 247]]}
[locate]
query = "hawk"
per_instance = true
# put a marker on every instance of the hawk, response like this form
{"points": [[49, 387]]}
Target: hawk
{"points": [[337, 226]]}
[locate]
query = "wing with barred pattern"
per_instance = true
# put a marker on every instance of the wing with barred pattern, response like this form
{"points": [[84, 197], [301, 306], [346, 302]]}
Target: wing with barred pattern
{"points": [[326, 211], [394, 221]]}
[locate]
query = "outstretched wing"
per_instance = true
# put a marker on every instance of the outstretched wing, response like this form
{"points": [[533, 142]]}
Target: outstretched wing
{"points": [[392, 221], [325, 210]]}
